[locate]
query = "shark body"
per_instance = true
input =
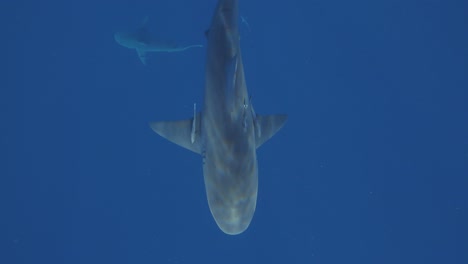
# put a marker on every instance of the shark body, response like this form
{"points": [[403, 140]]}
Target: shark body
{"points": [[227, 131], [143, 42]]}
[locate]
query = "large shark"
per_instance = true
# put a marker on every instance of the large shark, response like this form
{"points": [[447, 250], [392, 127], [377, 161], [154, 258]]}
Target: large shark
{"points": [[143, 42], [227, 131]]}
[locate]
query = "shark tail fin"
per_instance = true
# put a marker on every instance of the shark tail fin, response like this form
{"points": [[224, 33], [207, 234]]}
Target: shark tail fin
{"points": [[185, 133], [267, 126]]}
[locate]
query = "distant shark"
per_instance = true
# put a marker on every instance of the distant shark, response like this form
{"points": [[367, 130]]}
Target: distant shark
{"points": [[227, 132], [143, 42]]}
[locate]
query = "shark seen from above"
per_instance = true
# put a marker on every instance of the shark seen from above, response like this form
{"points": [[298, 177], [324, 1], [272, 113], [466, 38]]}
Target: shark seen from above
{"points": [[144, 42], [227, 131]]}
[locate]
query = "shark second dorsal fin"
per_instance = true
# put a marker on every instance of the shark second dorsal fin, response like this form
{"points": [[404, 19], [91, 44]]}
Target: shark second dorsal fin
{"points": [[267, 126], [185, 133]]}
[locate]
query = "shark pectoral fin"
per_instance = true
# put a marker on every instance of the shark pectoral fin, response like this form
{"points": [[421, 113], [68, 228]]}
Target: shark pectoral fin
{"points": [[267, 126], [185, 133], [141, 55]]}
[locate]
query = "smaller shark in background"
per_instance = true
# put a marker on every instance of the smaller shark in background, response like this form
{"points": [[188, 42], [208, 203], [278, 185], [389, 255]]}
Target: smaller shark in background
{"points": [[143, 42]]}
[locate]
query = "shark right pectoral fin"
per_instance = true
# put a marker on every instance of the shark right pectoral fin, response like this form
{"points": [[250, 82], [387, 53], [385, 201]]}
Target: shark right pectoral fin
{"points": [[185, 133], [142, 55], [266, 126]]}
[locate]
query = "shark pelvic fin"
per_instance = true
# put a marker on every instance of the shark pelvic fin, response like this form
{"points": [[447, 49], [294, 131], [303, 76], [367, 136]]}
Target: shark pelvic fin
{"points": [[185, 133], [267, 126]]}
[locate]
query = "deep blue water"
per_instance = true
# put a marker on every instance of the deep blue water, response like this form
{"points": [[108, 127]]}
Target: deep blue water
{"points": [[371, 167]]}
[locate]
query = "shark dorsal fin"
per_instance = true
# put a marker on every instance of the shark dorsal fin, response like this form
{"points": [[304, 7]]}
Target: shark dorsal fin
{"points": [[142, 55]]}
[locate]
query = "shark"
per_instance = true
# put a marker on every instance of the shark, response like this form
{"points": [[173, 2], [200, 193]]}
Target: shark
{"points": [[227, 131], [144, 42]]}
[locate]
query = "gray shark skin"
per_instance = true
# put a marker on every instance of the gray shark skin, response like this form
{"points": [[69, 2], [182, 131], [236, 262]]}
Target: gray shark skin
{"points": [[143, 42], [227, 131]]}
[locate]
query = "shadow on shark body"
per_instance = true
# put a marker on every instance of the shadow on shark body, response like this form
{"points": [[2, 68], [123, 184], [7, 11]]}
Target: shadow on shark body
{"points": [[144, 42]]}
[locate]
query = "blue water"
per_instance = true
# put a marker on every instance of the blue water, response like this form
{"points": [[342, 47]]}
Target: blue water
{"points": [[371, 167]]}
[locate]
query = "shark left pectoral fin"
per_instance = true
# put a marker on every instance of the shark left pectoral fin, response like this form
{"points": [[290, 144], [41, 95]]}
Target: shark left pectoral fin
{"points": [[185, 133], [142, 55], [266, 126]]}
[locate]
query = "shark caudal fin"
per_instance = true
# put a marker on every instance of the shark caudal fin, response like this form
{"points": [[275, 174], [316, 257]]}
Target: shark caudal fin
{"points": [[267, 126], [185, 133]]}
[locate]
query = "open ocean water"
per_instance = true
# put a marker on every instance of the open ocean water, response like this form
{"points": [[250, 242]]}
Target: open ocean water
{"points": [[371, 166]]}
